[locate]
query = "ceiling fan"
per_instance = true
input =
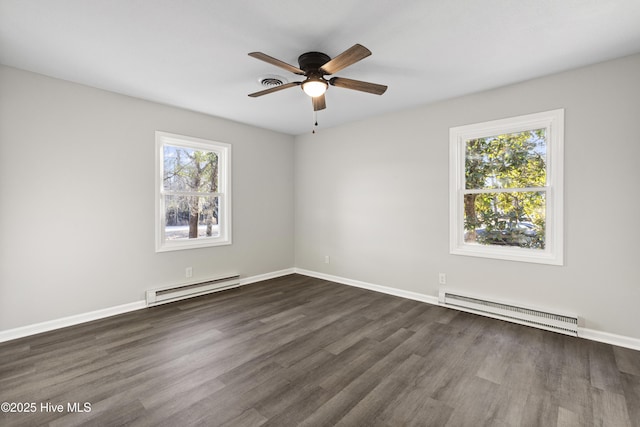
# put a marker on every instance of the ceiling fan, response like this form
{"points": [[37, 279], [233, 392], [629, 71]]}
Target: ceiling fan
{"points": [[315, 66]]}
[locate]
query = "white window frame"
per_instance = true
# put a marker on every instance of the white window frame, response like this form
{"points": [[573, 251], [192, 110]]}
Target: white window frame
{"points": [[224, 192], [553, 122]]}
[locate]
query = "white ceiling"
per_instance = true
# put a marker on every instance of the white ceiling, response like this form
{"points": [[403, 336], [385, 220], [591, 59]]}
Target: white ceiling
{"points": [[193, 53]]}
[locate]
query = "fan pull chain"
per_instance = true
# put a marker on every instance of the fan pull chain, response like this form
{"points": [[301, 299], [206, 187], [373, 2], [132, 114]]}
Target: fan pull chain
{"points": [[315, 119]]}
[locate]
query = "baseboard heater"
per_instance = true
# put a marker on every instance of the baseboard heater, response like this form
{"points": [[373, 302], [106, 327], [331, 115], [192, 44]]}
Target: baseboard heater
{"points": [[564, 324], [189, 290]]}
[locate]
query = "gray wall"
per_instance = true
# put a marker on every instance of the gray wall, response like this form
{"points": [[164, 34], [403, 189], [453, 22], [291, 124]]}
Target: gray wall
{"points": [[374, 196], [77, 199]]}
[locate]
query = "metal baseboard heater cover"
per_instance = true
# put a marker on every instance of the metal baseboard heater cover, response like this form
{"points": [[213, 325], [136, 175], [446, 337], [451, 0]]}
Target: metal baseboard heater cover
{"points": [[562, 323], [192, 289]]}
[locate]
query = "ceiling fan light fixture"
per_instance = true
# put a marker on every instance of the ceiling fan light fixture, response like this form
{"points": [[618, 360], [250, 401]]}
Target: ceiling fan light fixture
{"points": [[315, 86], [314, 66]]}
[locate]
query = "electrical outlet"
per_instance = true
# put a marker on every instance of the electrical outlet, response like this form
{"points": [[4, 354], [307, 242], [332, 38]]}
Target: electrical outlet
{"points": [[442, 278], [188, 272], [327, 259]]}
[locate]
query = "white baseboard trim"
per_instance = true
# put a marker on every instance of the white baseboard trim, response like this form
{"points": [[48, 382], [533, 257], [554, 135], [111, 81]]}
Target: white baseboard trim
{"points": [[589, 334], [266, 276], [50, 325], [608, 338], [370, 286]]}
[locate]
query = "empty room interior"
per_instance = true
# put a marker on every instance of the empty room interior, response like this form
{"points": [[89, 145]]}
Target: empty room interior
{"points": [[354, 213]]}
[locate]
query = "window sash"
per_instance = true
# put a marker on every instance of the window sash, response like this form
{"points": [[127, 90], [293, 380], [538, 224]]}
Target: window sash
{"points": [[219, 225], [190, 193], [504, 190]]}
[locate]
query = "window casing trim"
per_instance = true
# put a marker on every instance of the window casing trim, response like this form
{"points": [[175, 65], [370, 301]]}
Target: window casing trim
{"points": [[224, 191], [553, 122]]}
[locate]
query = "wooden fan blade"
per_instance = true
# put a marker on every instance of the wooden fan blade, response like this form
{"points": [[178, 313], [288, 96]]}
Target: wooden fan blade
{"points": [[350, 56], [274, 89], [374, 88], [319, 103], [273, 61]]}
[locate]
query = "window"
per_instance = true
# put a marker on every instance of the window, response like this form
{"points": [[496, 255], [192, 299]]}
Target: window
{"points": [[506, 188], [193, 182]]}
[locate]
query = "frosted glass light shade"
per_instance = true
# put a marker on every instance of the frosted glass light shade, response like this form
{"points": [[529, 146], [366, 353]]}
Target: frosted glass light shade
{"points": [[314, 87]]}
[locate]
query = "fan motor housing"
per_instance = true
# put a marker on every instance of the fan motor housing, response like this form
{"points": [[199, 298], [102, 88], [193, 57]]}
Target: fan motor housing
{"points": [[312, 61]]}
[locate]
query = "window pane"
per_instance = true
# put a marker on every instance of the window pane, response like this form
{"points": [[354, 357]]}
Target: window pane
{"points": [[191, 217], [186, 169], [505, 219], [515, 160]]}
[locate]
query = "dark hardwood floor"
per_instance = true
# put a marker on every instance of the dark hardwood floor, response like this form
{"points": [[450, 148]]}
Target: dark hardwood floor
{"points": [[302, 351]]}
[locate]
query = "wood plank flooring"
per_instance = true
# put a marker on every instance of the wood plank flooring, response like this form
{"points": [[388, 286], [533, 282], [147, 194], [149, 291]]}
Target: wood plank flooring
{"points": [[302, 351]]}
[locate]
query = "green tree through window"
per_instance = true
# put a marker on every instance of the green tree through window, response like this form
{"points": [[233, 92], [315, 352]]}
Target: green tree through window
{"points": [[505, 178]]}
